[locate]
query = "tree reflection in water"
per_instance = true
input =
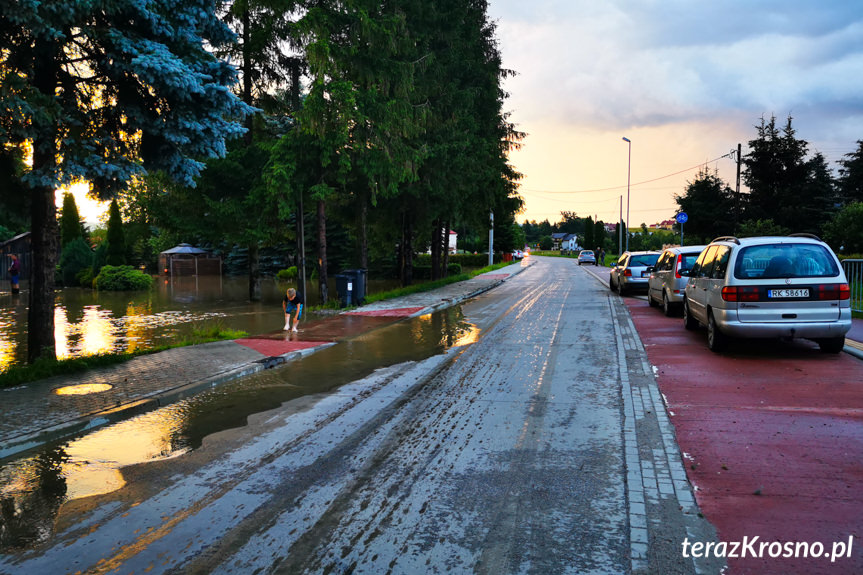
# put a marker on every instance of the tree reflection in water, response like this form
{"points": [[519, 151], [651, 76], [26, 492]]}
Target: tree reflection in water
{"points": [[28, 506]]}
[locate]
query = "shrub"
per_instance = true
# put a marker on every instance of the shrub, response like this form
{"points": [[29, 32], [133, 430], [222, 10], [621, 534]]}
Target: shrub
{"points": [[76, 256], [122, 278], [464, 260], [288, 274], [85, 277]]}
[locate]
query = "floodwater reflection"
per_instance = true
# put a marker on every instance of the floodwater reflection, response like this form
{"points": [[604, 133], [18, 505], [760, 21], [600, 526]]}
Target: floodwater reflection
{"points": [[88, 322], [34, 488]]}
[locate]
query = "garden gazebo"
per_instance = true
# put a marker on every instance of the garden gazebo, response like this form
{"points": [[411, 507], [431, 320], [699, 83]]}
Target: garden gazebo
{"points": [[185, 259]]}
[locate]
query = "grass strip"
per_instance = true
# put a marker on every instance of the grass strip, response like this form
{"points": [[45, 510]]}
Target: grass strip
{"points": [[44, 368], [431, 285]]}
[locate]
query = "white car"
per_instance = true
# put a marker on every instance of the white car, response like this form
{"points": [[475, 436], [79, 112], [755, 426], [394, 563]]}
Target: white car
{"points": [[769, 287]]}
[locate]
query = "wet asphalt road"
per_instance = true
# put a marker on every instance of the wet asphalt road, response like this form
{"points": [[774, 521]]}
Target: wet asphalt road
{"points": [[537, 445]]}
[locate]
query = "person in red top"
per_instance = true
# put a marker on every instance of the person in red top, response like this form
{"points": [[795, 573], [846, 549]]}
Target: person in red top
{"points": [[14, 271]]}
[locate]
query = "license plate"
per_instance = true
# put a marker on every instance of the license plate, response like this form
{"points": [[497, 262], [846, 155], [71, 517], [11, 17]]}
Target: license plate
{"points": [[780, 293], [645, 274]]}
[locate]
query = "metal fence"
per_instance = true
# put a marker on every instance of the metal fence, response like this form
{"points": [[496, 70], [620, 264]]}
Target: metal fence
{"points": [[854, 272]]}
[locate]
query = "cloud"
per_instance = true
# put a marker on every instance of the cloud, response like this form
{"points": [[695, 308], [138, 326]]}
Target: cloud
{"points": [[645, 63]]}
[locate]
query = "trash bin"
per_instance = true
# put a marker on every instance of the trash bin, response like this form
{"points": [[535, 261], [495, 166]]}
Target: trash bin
{"points": [[359, 277], [345, 287]]}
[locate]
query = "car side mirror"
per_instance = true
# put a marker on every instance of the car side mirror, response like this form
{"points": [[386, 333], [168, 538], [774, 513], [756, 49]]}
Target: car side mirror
{"points": [[650, 269], [684, 273]]}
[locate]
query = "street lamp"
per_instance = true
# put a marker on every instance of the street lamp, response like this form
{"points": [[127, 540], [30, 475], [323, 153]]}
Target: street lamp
{"points": [[628, 171]]}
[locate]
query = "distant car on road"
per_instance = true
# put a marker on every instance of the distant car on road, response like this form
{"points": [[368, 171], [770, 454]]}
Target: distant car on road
{"points": [[629, 272], [586, 257], [666, 283], [769, 287], [517, 254]]}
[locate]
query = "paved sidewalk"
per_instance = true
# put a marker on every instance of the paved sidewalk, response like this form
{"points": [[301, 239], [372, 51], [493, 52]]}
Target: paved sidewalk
{"points": [[35, 413]]}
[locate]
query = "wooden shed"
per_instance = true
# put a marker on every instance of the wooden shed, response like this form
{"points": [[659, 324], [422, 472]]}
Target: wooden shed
{"points": [[186, 260]]}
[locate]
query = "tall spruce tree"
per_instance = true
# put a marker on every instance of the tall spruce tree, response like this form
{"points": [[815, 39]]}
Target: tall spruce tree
{"points": [[70, 221], [102, 90], [850, 181], [785, 185], [115, 237]]}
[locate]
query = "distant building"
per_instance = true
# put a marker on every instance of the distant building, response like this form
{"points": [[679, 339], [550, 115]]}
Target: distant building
{"points": [[569, 243], [557, 240], [665, 225]]}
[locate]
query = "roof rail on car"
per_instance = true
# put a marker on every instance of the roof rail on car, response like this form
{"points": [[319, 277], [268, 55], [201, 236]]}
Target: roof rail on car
{"points": [[804, 235], [726, 239]]}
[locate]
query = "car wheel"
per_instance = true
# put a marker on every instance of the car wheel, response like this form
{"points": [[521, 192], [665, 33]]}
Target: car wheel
{"points": [[666, 305], [650, 301], [689, 322], [831, 344], [621, 289], [610, 284], [716, 340]]}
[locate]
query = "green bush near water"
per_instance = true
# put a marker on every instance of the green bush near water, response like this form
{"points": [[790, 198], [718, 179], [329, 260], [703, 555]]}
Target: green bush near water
{"points": [[289, 274], [122, 278]]}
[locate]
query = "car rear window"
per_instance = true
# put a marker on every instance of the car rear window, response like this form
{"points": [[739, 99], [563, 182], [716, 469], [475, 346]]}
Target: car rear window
{"points": [[643, 260], [586, 253], [686, 261], [773, 261]]}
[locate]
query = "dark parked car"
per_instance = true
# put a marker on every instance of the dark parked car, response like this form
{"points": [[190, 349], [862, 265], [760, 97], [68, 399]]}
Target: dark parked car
{"points": [[630, 271]]}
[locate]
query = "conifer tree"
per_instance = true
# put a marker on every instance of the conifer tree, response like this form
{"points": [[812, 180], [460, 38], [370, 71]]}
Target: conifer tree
{"points": [[115, 237], [70, 221], [103, 90]]}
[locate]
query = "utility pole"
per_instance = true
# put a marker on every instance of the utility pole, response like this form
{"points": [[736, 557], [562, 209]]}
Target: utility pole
{"points": [[737, 191], [620, 229]]}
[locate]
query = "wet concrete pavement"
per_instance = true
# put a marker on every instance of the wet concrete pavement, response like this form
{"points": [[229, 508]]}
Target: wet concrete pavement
{"points": [[539, 443], [34, 413]]}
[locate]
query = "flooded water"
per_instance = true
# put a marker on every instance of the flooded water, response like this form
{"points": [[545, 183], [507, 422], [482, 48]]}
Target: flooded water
{"points": [[88, 322], [34, 488]]}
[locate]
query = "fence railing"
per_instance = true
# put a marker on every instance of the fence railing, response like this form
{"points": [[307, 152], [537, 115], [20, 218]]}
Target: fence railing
{"points": [[854, 273]]}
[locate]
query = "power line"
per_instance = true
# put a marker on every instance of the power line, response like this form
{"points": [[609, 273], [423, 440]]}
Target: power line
{"points": [[728, 155]]}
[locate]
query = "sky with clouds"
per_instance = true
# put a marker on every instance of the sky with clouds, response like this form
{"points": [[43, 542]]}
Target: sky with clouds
{"points": [[685, 81]]}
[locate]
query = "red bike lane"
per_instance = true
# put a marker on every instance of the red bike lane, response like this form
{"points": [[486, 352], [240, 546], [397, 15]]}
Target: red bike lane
{"points": [[772, 439]]}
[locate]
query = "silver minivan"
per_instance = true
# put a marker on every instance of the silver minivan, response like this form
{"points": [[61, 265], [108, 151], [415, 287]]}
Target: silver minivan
{"points": [[765, 287], [666, 283]]}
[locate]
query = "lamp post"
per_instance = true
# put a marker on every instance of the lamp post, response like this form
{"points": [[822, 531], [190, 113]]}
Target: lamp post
{"points": [[628, 171]]}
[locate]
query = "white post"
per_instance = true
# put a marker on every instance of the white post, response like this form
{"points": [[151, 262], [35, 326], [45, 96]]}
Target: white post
{"points": [[491, 239]]}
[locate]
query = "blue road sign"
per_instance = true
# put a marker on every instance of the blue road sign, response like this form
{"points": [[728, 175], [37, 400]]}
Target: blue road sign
{"points": [[682, 218]]}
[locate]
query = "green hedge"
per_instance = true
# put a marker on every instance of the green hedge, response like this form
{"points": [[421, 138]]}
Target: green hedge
{"points": [[423, 272], [122, 278]]}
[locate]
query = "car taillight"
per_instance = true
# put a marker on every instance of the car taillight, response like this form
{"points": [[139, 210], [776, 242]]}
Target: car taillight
{"points": [[740, 293], [627, 273], [677, 267], [833, 291]]}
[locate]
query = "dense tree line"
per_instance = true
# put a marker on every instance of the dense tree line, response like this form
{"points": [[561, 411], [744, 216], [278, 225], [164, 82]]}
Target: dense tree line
{"points": [[373, 126], [789, 190]]}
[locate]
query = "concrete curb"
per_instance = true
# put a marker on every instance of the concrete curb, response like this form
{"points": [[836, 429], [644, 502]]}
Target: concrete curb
{"points": [[21, 443], [853, 351], [455, 301]]}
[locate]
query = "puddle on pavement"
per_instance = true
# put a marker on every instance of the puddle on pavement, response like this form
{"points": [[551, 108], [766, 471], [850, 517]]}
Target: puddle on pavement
{"points": [[34, 488]]}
